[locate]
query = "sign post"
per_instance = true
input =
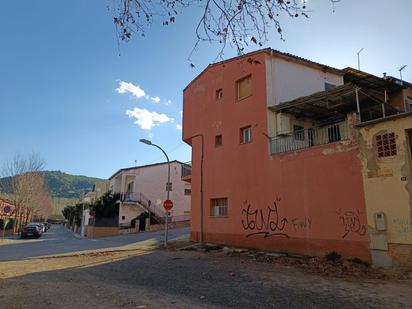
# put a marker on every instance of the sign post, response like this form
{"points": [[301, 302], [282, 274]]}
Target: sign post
{"points": [[6, 211], [168, 205]]}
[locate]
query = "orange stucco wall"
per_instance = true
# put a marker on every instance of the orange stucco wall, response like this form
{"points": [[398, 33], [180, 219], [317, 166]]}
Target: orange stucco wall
{"points": [[308, 202]]}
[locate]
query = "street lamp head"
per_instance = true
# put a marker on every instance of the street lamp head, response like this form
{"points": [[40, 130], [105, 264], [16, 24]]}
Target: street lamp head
{"points": [[145, 141]]}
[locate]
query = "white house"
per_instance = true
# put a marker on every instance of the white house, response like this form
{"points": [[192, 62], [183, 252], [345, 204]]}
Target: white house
{"points": [[143, 188]]}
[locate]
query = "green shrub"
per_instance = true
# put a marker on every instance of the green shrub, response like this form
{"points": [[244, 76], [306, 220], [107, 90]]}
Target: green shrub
{"points": [[359, 261], [333, 256]]}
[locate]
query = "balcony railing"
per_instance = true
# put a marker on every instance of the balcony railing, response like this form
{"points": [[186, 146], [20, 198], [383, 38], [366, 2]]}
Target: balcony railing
{"points": [[305, 138], [186, 169]]}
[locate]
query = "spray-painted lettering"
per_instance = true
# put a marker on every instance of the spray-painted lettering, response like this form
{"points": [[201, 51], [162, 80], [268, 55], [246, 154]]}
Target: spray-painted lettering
{"points": [[301, 224], [351, 222], [265, 222]]}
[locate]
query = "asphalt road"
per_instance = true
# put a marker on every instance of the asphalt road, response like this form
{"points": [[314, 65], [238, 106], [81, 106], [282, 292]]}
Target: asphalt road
{"points": [[59, 240]]}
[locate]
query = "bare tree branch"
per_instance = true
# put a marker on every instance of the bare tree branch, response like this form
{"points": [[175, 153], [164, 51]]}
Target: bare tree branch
{"points": [[237, 23], [23, 183]]}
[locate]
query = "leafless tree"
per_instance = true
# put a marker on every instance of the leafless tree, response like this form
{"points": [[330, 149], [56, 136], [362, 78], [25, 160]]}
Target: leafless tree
{"points": [[227, 22], [23, 183]]}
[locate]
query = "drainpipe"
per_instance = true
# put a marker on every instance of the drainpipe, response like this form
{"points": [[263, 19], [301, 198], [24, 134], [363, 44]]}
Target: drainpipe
{"points": [[201, 189]]}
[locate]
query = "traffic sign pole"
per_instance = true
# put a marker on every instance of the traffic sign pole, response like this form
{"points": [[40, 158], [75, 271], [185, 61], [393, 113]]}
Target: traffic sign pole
{"points": [[168, 204]]}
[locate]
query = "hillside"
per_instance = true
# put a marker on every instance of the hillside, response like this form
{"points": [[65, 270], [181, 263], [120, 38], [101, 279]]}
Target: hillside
{"points": [[65, 189], [62, 185]]}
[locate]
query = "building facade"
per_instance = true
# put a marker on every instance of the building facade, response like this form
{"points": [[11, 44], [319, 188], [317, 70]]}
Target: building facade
{"points": [[143, 188], [386, 155], [275, 155]]}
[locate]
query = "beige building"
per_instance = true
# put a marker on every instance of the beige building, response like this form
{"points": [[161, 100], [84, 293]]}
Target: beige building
{"points": [[99, 188], [143, 188], [386, 155]]}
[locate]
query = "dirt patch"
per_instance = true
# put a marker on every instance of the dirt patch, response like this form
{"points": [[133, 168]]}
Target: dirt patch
{"points": [[338, 267]]}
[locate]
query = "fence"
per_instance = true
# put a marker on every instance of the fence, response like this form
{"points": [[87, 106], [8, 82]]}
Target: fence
{"points": [[305, 138]]}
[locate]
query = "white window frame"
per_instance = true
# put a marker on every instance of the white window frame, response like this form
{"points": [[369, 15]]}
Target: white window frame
{"points": [[219, 207], [246, 135]]}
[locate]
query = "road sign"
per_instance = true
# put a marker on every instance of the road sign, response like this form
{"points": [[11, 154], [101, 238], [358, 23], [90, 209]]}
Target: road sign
{"points": [[6, 209], [168, 204], [169, 186]]}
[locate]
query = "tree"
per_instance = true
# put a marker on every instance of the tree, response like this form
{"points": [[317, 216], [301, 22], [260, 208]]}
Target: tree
{"points": [[73, 214], [237, 23], [107, 206], [24, 185]]}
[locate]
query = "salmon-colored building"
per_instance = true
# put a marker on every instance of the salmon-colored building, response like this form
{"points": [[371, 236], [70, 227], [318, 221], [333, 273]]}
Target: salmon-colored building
{"points": [[275, 156]]}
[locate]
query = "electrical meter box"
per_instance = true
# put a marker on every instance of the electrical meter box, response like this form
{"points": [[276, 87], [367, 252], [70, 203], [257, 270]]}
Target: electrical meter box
{"points": [[380, 221]]}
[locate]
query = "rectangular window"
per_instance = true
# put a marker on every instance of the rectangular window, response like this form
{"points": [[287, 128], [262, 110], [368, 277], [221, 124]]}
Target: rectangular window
{"points": [[188, 191], [218, 140], [409, 104], [245, 135], [386, 145], [329, 86], [299, 133], [244, 87], [218, 207], [311, 137], [334, 133], [219, 94]]}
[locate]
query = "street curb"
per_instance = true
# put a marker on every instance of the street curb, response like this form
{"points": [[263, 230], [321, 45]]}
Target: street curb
{"points": [[75, 235]]}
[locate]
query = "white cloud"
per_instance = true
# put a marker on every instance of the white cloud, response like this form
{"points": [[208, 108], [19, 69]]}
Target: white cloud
{"points": [[168, 102], [179, 127], [181, 114], [135, 90], [155, 99], [146, 119]]}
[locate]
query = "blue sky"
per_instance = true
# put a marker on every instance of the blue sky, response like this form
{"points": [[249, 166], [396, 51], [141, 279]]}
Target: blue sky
{"points": [[65, 90]]}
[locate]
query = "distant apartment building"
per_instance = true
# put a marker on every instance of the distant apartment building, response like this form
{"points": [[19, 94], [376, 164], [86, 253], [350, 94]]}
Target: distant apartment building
{"points": [[143, 189], [292, 155], [99, 188]]}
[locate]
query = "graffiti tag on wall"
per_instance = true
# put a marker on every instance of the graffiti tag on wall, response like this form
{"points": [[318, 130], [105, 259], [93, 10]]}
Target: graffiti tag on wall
{"points": [[404, 226], [268, 222], [351, 222]]}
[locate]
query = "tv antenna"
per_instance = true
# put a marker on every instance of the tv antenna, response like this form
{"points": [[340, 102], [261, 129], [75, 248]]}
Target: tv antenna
{"points": [[401, 69], [360, 50]]}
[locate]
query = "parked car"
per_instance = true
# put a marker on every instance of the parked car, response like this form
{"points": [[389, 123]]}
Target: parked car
{"points": [[40, 225], [30, 230], [47, 225]]}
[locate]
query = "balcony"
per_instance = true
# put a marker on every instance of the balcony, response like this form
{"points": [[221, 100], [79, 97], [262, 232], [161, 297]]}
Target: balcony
{"points": [[131, 197], [187, 171], [306, 138]]}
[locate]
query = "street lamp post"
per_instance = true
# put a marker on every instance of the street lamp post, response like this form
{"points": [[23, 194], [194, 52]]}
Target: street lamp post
{"points": [[147, 142]]}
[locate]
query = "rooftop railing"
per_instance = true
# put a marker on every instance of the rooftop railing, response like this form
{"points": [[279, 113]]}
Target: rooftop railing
{"points": [[305, 138]]}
